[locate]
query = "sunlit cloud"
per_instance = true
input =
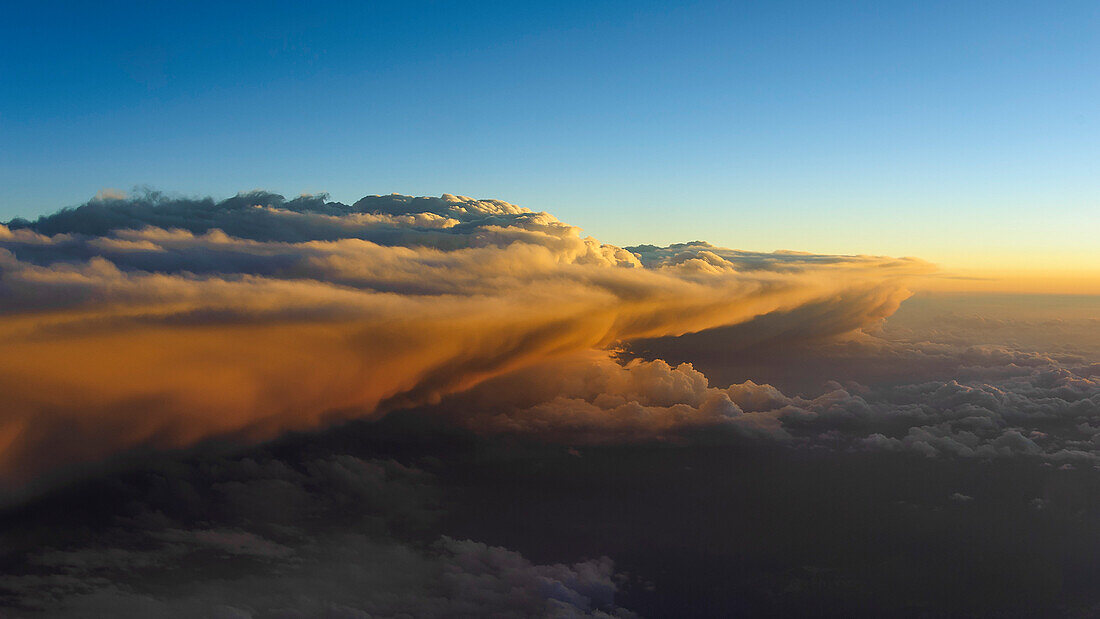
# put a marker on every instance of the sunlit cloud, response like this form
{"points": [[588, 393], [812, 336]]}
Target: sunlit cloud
{"points": [[151, 322]]}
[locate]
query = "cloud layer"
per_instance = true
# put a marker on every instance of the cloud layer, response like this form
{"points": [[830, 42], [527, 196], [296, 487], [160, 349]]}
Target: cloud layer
{"points": [[154, 322], [333, 536]]}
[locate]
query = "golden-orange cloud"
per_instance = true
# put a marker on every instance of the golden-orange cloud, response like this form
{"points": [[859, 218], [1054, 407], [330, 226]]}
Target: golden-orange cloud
{"points": [[158, 323]]}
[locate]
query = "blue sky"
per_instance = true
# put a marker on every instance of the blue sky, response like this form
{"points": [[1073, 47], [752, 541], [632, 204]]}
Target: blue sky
{"points": [[954, 131]]}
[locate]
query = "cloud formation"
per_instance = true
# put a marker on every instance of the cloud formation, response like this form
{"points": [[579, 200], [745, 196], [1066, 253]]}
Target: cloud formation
{"points": [[155, 322], [960, 401]]}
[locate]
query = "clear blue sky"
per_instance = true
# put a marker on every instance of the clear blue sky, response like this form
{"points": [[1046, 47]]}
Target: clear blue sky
{"points": [[922, 128]]}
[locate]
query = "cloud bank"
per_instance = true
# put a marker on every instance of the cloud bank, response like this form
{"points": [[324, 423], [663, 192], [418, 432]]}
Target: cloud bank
{"points": [[157, 322]]}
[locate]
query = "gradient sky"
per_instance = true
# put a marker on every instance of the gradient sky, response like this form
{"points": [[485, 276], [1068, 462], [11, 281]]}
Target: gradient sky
{"points": [[964, 133]]}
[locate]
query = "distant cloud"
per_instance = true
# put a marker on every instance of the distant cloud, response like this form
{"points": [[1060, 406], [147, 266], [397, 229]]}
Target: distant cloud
{"points": [[1003, 403], [107, 193]]}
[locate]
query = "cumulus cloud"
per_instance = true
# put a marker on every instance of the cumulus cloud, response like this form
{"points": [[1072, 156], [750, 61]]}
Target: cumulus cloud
{"points": [[157, 322], [597, 398], [1002, 403]]}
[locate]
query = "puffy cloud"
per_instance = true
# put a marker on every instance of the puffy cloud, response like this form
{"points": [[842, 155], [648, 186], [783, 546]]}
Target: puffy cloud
{"points": [[1003, 403], [596, 398], [154, 322]]}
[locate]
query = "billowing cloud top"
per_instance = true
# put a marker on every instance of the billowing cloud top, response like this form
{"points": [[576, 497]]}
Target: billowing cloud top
{"points": [[155, 322]]}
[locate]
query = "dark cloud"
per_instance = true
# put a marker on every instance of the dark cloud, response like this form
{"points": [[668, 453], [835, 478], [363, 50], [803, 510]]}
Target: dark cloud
{"points": [[374, 517], [333, 536]]}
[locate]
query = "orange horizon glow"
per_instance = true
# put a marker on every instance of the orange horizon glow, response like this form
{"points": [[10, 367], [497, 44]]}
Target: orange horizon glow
{"points": [[1032, 281]]}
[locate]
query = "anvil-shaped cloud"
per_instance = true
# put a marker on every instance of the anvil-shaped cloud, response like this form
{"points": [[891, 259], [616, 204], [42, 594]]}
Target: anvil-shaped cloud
{"points": [[153, 322]]}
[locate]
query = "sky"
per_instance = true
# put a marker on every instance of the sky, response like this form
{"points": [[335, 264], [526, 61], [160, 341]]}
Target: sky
{"points": [[963, 133]]}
